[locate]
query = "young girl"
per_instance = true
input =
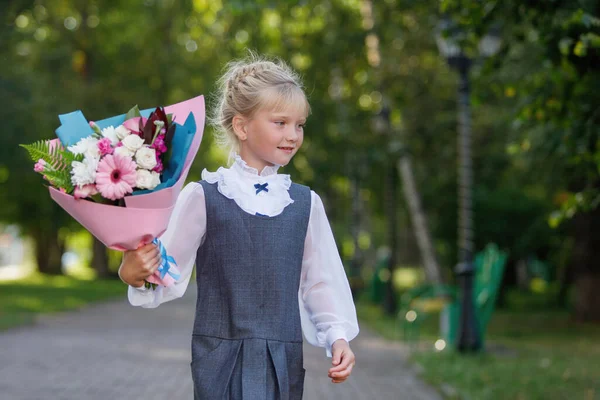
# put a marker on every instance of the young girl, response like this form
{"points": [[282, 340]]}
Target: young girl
{"points": [[267, 263]]}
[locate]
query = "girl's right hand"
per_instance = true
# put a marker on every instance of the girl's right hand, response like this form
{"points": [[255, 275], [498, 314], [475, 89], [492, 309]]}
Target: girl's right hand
{"points": [[137, 265]]}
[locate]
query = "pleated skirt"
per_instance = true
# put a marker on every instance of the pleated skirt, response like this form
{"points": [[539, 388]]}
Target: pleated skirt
{"points": [[246, 369]]}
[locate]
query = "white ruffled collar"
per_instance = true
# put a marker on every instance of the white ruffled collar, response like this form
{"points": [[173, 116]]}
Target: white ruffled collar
{"points": [[241, 166], [238, 183]]}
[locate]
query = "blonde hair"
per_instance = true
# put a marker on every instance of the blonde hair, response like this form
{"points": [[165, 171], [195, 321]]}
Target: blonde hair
{"points": [[250, 85]]}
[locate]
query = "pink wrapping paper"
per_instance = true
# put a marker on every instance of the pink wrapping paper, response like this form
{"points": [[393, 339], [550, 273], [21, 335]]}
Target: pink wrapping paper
{"points": [[145, 217], [119, 228], [166, 197]]}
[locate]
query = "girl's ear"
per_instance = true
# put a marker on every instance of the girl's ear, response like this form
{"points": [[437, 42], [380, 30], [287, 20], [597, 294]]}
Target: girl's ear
{"points": [[239, 127]]}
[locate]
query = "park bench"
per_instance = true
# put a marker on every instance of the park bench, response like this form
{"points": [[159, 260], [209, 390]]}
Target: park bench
{"points": [[420, 303]]}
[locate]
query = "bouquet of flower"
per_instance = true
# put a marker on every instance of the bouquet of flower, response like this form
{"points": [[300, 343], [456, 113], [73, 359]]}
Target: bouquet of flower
{"points": [[111, 162], [120, 177]]}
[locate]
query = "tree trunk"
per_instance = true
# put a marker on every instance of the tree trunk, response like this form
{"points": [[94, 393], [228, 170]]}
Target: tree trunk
{"points": [[586, 266], [100, 259], [432, 268], [48, 251], [390, 302], [566, 279], [587, 301], [356, 283]]}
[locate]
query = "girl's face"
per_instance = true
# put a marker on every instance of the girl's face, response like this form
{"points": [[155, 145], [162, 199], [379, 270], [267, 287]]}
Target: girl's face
{"points": [[271, 137]]}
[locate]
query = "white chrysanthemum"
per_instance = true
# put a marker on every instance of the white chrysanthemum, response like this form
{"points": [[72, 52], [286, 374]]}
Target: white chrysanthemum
{"points": [[122, 132], [111, 133], [124, 151], [146, 158], [87, 146], [146, 179], [84, 172], [133, 142]]}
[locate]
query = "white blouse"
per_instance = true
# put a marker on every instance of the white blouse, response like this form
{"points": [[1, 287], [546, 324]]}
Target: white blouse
{"points": [[326, 307]]}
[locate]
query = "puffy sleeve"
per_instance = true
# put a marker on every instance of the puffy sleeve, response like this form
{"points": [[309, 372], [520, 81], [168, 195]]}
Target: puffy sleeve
{"points": [[185, 233], [326, 306]]}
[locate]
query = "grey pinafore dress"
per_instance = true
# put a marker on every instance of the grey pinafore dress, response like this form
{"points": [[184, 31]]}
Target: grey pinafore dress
{"points": [[247, 338]]}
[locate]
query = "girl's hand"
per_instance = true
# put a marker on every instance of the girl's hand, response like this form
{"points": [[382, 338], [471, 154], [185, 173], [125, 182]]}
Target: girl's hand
{"points": [[139, 264], [343, 361]]}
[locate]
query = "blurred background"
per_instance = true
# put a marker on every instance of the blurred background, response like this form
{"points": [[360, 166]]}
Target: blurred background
{"points": [[455, 144]]}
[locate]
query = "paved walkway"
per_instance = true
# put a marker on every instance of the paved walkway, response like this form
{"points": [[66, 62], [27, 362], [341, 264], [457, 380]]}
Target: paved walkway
{"points": [[115, 351]]}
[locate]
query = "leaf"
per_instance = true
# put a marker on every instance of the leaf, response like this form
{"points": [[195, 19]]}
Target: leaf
{"points": [[565, 45], [169, 135], [580, 49], [58, 157], [133, 113], [37, 150], [58, 160], [60, 179], [148, 131]]}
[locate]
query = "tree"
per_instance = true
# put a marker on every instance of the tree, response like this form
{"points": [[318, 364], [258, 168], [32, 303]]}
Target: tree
{"points": [[554, 50]]}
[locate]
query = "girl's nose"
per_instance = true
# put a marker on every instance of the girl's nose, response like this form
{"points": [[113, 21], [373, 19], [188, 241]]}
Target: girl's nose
{"points": [[292, 135]]}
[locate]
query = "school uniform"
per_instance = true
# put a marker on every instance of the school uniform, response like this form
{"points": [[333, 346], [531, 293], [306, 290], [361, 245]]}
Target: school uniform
{"points": [[268, 270]]}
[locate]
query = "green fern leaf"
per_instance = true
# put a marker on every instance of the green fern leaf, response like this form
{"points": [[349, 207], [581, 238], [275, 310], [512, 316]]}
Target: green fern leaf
{"points": [[60, 179], [58, 157], [41, 150], [37, 150]]}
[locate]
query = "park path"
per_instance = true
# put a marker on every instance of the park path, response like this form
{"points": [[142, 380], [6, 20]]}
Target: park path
{"points": [[115, 351]]}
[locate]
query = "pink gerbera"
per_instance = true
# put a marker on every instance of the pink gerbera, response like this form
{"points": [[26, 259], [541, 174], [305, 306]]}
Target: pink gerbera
{"points": [[115, 176]]}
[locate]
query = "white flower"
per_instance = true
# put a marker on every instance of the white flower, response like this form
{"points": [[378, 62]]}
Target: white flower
{"points": [[84, 172], [133, 142], [155, 179], [122, 132], [111, 133], [87, 146], [146, 179], [124, 151], [146, 157]]}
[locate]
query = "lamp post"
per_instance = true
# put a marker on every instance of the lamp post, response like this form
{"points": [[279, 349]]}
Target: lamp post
{"points": [[448, 38]]}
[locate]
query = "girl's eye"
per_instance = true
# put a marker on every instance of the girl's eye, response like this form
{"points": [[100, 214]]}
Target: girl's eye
{"points": [[301, 126], [279, 123]]}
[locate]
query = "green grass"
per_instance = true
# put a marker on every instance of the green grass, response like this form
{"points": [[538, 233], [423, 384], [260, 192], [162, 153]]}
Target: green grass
{"points": [[537, 354], [21, 300]]}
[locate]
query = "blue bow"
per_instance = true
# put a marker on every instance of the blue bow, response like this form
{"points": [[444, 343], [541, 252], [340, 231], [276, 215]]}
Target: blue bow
{"points": [[166, 261], [260, 188]]}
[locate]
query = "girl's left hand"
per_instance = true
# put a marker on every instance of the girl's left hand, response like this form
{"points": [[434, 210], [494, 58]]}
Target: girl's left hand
{"points": [[343, 361]]}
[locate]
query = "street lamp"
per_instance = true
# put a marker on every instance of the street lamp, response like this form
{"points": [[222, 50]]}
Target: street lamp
{"points": [[448, 40]]}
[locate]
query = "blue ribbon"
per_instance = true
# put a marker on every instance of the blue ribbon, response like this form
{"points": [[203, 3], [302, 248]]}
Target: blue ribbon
{"points": [[260, 188], [166, 261]]}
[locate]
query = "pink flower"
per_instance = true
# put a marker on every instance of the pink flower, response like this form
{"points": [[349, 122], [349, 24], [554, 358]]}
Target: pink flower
{"points": [[159, 165], [133, 124], [39, 166], [159, 144], [115, 176], [85, 191], [95, 127], [104, 145]]}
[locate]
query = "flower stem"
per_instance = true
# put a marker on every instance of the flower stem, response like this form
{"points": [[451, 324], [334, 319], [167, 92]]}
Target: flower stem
{"points": [[158, 128]]}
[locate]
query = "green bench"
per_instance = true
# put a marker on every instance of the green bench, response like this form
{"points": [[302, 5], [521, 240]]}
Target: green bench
{"points": [[420, 303]]}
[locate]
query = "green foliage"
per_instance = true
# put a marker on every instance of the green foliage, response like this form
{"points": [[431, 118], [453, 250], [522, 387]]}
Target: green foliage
{"points": [[551, 55], [535, 124], [22, 300], [58, 162], [531, 354], [133, 113]]}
